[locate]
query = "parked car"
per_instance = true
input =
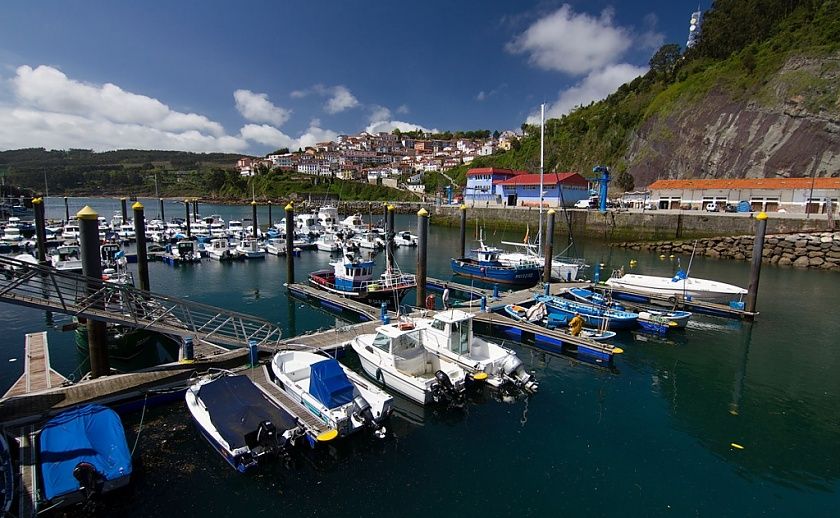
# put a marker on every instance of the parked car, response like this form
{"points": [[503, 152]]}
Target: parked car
{"points": [[731, 207], [711, 207], [649, 206], [583, 204]]}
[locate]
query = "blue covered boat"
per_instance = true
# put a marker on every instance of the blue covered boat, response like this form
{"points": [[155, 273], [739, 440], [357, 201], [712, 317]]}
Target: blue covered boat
{"points": [[486, 267], [596, 299], [595, 316], [82, 452]]}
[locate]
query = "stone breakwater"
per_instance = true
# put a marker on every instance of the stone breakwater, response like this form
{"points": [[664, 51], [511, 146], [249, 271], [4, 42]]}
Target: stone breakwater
{"points": [[804, 250]]}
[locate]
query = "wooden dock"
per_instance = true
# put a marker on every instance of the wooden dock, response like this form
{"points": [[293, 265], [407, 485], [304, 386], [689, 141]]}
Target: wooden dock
{"points": [[262, 378], [333, 302], [37, 375], [329, 339]]}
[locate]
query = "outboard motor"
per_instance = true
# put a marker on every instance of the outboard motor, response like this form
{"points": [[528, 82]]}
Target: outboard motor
{"points": [[90, 484], [362, 411], [443, 388], [515, 371], [267, 436]]}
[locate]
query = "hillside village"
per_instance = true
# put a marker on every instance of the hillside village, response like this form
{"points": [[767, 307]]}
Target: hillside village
{"points": [[390, 159]]}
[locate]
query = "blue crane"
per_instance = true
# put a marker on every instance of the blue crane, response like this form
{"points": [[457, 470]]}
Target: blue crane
{"points": [[603, 182]]}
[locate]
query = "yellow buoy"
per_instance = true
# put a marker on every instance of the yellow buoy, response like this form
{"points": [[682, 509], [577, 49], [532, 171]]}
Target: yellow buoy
{"points": [[672, 256], [617, 350], [736, 446], [480, 376], [327, 436], [662, 256]]}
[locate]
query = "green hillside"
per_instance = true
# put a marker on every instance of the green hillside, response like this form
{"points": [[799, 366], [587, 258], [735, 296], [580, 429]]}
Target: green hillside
{"points": [[740, 55]]}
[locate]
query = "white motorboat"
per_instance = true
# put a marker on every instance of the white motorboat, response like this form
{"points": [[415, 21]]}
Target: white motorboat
{"points": [[563, 269], [126, 232], [70, 231], [450, 335], [308, 224], [328, 218], [221, 250], [250, 248], [235, 229], [405, 238], [67, 258], [678, 286], [370, 241], [239, 420], [327, 243], [396, 357], [276, 246], [354, 223], [334, 394]]}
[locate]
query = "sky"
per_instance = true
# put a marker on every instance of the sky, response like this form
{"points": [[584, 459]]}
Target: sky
{"points": [[253, 76]]}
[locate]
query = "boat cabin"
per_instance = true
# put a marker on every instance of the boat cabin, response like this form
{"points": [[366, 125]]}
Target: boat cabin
{"points": [[404, 343], [487, 255]]}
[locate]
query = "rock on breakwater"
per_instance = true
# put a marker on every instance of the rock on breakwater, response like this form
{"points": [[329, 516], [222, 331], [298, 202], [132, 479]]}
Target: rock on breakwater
{"points": [[819, 250]]}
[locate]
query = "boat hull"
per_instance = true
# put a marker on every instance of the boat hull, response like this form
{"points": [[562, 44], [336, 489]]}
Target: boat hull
{"points": [[696, 289], [599, 318], [526, 276]]}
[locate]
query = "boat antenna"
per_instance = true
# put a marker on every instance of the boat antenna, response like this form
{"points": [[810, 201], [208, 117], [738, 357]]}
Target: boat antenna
{"points": [[542, 167], [690, 260]]}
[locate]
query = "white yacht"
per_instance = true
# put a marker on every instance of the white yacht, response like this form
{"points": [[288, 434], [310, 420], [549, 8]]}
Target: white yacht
{"points": [[70, 231], [396, 357], [681, 285], [308, 224], [235, 229], [250, 248], [328, 218], [276, 246], [67, 258], [327, 243], [221, 250], [334, 394], [563, 269], [450, 335], [405, 238]]}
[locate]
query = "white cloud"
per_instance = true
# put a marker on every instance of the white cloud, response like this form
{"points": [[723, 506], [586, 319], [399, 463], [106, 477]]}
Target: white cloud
{"points": [[595, 86], [45, 108], [389, 126], [298, 94], [379, 114], [402, 109], [341, 100], [257, 108], [574, 43], [273, 137]]}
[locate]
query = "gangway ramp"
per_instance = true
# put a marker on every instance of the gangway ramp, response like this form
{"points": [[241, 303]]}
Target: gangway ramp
{"points": [[43, 287]]}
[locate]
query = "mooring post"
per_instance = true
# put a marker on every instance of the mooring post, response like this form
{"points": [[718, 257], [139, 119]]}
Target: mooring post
{"points": [[92, 269], [187, 350], [758, 252], [290, 243], [422, 245], [187, 208], [463, 249], [40, 229], [389, 225], [195, 209], [124, 210], [162, 214], [549, 247], [66, 210], [256, 227], [483, 304], [142, 255], [270, 221]]}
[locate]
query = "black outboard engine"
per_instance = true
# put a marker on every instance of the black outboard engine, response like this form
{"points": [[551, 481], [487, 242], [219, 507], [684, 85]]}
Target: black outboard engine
{"points": [[90, 483], [443, 388], [362, 411], [267, 436]]}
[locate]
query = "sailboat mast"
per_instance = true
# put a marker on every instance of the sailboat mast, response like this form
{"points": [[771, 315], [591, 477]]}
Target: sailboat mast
{"points": [[542, 171]]}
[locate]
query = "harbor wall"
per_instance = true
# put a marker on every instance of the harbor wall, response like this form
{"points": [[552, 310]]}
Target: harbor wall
{"points": [[818, 250], [628, 226]]}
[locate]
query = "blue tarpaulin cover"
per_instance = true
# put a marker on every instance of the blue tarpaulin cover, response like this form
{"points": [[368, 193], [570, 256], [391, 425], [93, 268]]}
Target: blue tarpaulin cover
{"points": [[329, 384], [92, 434]]}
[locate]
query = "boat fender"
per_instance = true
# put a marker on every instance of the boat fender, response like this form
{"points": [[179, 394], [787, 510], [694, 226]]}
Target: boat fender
{"points": [[379, 377]]}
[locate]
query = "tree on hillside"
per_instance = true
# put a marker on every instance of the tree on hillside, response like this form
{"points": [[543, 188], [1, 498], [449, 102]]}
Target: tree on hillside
{"points": [[281, 151], [665, 59], [625, 181]]}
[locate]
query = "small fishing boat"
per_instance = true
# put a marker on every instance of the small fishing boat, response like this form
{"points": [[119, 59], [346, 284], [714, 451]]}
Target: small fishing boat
{"points": [[595, 316], [590, 297], [82, 453], [327, 243], [487, 267], [182, 252], [66, 258], [395, 356], [239, 420], [334, 394], [680, 285], [7, 477], [405, 238], [656, 323], [275, 246], [352, 277], [250, 248], [538, 315], [450, 334], [221, 250]]}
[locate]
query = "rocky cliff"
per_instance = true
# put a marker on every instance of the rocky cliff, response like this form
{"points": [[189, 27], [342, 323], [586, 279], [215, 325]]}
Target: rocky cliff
{"points": [[787, 127]]}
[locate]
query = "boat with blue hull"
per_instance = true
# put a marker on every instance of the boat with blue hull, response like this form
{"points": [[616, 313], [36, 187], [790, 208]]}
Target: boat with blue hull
{"points": [[82, 453], [536, 316], [595, 316], [239, 420], [679, 317], [487, 267], [655, 323], [352, 277]]}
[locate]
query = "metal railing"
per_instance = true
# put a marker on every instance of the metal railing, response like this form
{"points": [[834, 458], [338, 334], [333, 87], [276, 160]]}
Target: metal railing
{"points": [[45, 288]]}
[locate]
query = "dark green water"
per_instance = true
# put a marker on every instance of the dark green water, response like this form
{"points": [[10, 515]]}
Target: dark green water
{"points": [[649, 438]]}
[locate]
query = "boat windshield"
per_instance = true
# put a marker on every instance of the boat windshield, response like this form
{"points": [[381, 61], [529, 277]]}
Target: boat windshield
{"points": [[459, 338], [381, 342], [407, 343]]}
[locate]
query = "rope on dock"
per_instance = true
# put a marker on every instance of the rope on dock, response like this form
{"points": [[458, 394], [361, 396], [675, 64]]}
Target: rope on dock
{"points": [[140, 428]]}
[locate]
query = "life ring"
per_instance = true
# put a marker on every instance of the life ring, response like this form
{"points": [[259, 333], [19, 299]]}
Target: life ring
{"points": [[406, 326]]}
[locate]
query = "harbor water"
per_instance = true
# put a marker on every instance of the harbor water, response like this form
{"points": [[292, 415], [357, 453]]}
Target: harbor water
{"points": [[725, 418]]}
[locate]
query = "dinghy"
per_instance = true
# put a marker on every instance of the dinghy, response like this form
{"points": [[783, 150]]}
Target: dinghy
{"points": [[655, 323], [599, 317], [450, 335], [396, 357], [239, 420], [678, 286], [537, 314], [334, 394], [590, 297], [82, 454]]}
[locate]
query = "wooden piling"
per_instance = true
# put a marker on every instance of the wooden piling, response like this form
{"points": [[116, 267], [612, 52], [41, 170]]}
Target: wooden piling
{"points": [[755, 269], [422, 246], [255, 226], [463, 243], [92, 268], [290, 243], [187, 208], [142, 255], [40, 229]]}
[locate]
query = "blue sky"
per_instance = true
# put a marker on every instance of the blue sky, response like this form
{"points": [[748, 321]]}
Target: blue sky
{"points": [[252, 76]]}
